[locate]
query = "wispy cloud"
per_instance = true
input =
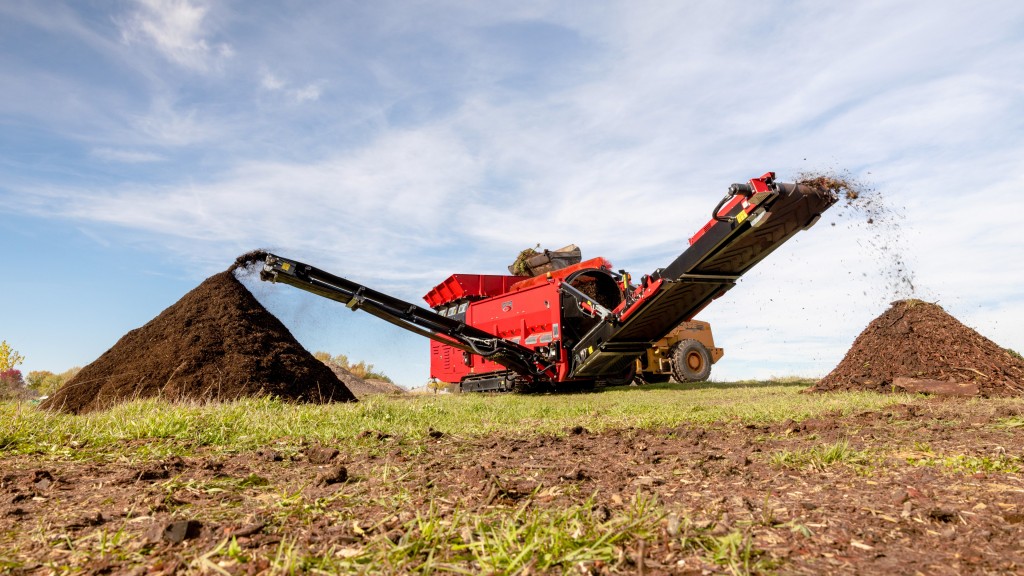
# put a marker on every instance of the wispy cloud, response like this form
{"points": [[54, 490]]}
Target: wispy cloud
{"points": [[127, 156], [177, 29], [308, 93]]}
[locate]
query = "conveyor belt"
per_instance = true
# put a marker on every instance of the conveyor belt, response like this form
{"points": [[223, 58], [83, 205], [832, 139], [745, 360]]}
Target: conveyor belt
{"points": [[706, 270]]}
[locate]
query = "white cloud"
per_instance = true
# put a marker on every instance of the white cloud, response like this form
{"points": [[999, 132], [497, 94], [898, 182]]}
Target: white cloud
{"points": [[273, 83], [178, 29], [165, 124], [388, 202], [307, 93], [126, 156]]}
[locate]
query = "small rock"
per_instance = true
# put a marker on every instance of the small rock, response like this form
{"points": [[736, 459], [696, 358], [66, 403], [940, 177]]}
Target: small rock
{"points": [[577, 430], [672, 525], [435, 433], [41, 479], [576, 475], [321, 454], [334, 475], [269, 455], [177, 531], [942, 514]]}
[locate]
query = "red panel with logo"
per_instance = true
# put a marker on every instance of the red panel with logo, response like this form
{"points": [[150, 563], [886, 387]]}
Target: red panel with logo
{"points": [[529, 317]]}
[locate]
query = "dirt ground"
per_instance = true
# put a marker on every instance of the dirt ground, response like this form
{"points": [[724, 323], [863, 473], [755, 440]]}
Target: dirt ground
{"points": [[889, 515]]}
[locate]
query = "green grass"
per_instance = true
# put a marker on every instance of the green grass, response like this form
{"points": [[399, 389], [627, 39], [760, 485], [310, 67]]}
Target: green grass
{"points": [[251, 423], [820, 457], [971, 464]]}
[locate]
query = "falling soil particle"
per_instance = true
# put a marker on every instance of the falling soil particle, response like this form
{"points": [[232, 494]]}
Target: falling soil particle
{"points": [[884, 241], [917, 346], [216, 343]]}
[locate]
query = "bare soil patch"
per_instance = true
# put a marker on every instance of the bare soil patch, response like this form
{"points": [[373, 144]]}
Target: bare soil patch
{"points": [[917, 346], [895, 513], [216, 343]]}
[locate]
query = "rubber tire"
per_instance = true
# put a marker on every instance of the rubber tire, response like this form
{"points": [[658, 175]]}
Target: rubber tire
{"points": [[653, 378], [691, 361]]}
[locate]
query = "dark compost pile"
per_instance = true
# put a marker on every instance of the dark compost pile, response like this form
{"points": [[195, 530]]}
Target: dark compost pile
{"points": [[917, 346], [216, 343]]}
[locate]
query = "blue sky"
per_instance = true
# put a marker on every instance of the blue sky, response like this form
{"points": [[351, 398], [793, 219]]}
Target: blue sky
{"points": [[145, 144]]}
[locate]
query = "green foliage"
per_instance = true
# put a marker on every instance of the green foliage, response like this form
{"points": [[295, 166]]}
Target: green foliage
{"points": [[360, 369], [46, 383], [820, 457], [11, 385], [436, 385], [1014, 353], [9, 357], [972, 464], [519, 267]]}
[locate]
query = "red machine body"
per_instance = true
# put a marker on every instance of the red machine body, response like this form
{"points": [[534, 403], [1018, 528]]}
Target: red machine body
{"points": [[524, 310]]}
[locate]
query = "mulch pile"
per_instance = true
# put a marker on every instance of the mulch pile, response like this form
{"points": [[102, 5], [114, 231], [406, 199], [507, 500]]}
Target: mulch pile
{"points": [[917, 346], [216, 343]]}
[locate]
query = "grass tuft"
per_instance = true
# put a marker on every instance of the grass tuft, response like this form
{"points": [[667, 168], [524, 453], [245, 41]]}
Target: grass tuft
{"points": [[821, 457]]}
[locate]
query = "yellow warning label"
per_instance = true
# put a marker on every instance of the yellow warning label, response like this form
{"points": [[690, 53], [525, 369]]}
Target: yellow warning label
{"points": [[285, 266], [741, 217]]}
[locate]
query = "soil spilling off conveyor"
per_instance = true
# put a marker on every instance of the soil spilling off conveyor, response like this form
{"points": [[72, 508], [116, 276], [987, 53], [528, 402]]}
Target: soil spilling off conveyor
{"points": [[216, 343], [917, 346], [884, 241]]}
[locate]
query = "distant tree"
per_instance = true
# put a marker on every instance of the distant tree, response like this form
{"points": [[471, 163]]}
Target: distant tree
{"points": [[11, 385], [46, 383], [39, 379], [9, 357], [11, 377], [360, 369]]}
